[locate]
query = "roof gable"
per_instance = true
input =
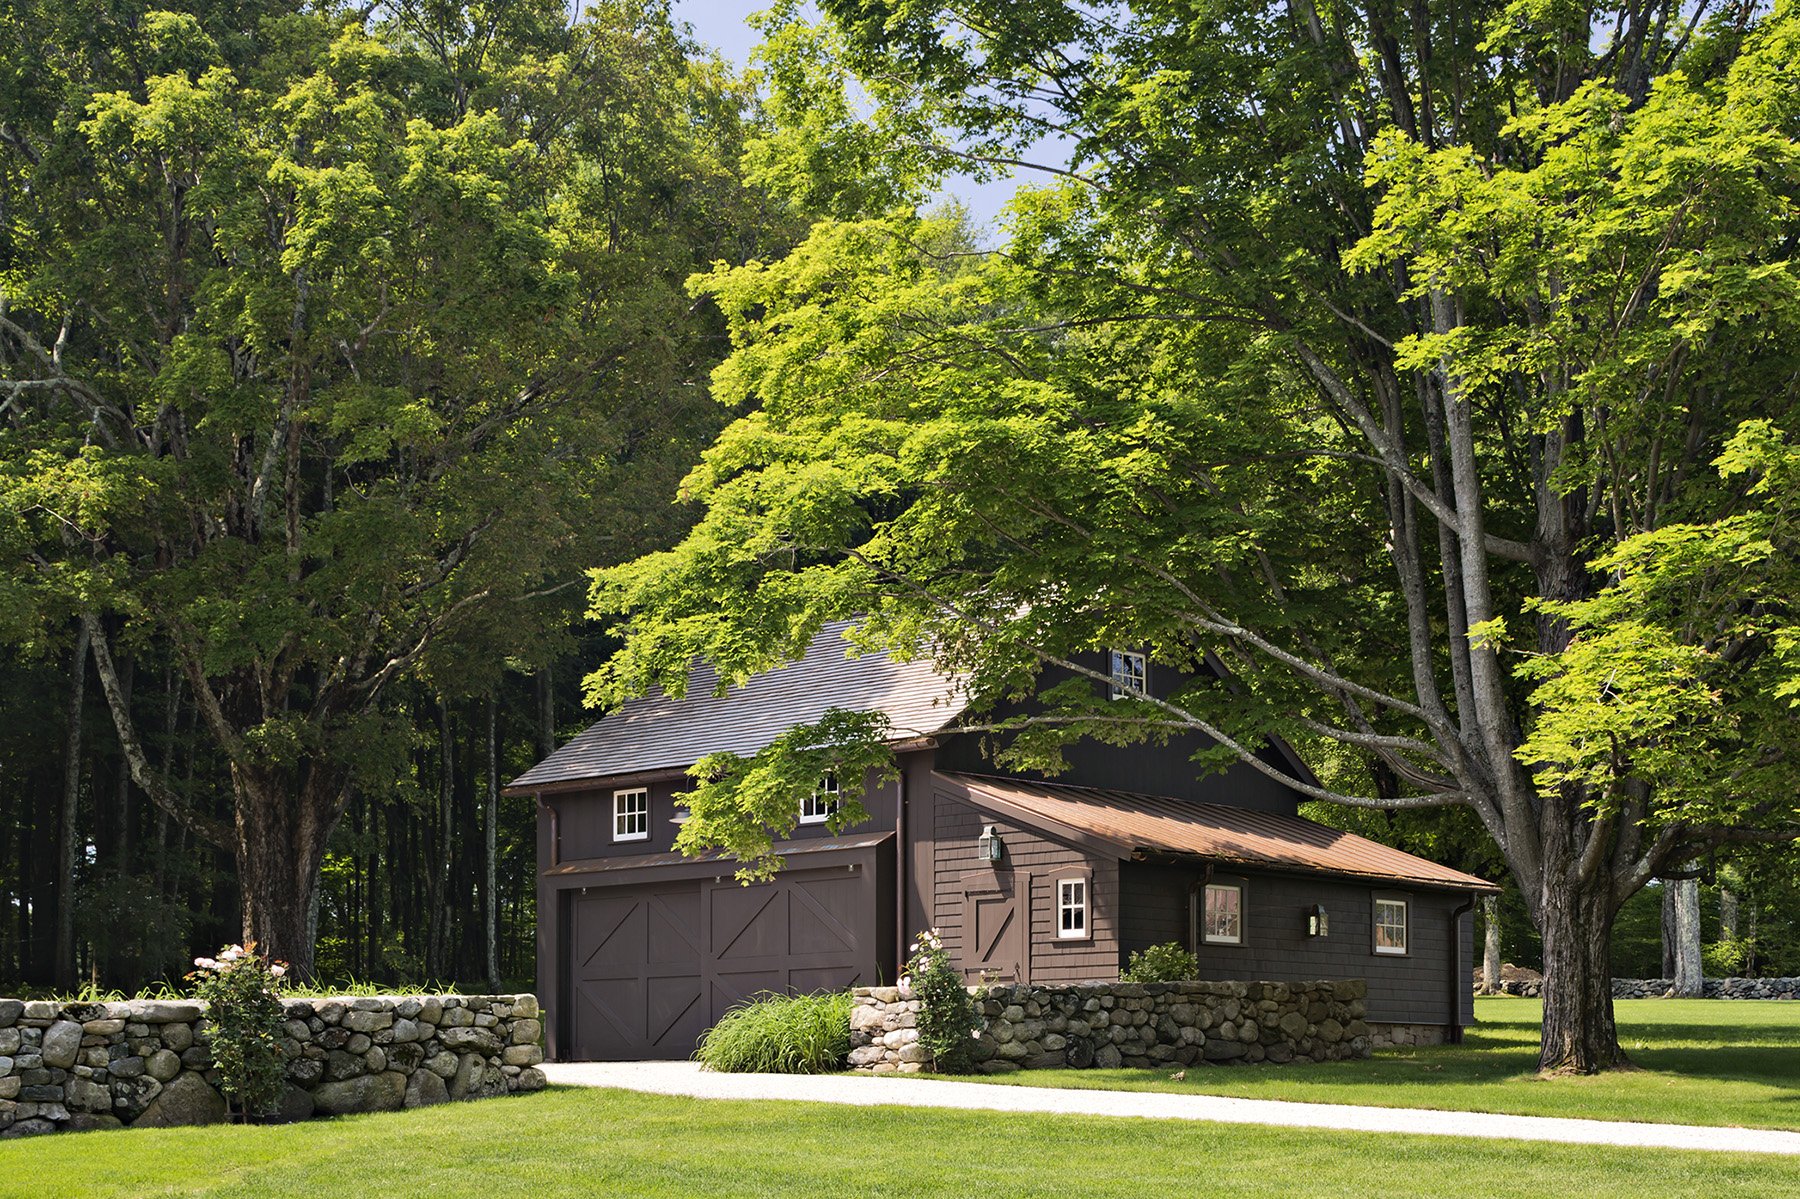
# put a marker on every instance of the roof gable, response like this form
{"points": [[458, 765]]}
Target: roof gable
{"points": [[658, 733]]}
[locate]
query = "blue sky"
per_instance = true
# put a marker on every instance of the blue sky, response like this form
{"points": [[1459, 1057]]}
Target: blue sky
{"points": [[721, 25]]}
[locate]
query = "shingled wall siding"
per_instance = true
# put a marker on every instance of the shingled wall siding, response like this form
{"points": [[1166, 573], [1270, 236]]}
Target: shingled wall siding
{"points": [[1413, 989], [1040, 862], [145, 1063]]}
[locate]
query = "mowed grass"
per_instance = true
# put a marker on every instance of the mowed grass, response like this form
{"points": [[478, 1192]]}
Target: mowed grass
{"points": [[573, 1142], [1722, 1062]]}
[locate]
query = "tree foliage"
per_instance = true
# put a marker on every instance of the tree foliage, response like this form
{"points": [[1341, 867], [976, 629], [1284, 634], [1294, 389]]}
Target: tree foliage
{"points": [[1356, 345]]}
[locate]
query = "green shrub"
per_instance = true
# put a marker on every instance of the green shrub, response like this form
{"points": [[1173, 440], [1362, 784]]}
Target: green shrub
{"points": [[947, 1019], [239, 990], [781, 1034], [1166, 963]]}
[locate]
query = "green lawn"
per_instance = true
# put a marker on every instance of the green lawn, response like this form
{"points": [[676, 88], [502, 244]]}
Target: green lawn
{"points": [[1703, 1062], [568, 1142]]}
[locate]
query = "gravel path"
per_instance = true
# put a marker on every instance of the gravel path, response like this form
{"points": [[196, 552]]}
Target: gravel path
{"points": [[686, 1078]]}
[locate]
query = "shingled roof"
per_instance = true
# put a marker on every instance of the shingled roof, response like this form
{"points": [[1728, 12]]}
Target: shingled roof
{"points": [[1129, 823], [659, 733]]}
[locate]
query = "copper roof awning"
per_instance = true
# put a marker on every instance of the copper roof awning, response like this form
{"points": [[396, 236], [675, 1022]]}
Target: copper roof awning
{"points": [[1131, 824]]}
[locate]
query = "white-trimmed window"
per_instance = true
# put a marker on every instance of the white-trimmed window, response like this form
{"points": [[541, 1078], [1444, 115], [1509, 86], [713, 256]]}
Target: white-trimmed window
{"points": [[1222, 921], [1130, 674], [631, 815], [822, 804], [1071, 908], [1390, 925]]}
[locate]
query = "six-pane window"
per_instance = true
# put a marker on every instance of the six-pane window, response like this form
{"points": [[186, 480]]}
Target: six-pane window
{"points": [[1129, 673], [822, 804], [1224, 917], [631, 815], [1390, 926], [1071, 907]]}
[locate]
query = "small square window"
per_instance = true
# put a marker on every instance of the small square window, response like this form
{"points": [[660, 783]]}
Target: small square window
{"points": [[631, 815], [1130, 674], [822, 804], [1390, 926], [1071, 908], [1224, 917]]}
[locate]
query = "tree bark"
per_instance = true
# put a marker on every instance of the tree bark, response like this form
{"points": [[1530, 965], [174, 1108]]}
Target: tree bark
{"points": [[1490, 948], [1689, 976], [1728, 914], [1580, 1035], [282, 832], [67, 830]]}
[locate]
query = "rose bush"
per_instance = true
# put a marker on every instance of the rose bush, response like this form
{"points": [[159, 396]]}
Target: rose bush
{"points": [[243, 1007]]}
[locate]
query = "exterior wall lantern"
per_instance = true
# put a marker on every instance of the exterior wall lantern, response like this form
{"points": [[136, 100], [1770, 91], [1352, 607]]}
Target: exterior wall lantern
{"points": [[1318, 921], [988, 846]]}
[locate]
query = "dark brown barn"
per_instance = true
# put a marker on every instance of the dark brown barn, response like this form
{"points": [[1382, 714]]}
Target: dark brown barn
{"points": [[640, 950]]}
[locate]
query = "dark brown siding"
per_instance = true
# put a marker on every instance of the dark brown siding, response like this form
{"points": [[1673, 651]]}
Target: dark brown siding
{"points": [[1035, 863], [585, 818], [1410, 989], [1150, 769]]}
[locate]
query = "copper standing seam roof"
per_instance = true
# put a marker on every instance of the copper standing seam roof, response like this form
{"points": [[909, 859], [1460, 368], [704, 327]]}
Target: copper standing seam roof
{"points": [[659, 733], [1155, 824]]}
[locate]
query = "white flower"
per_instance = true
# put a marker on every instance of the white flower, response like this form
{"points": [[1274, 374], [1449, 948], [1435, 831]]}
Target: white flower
{"points": [[232, 954], [206, 963], [277, 971]]}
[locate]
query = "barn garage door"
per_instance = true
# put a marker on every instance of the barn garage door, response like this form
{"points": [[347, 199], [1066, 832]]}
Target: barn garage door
{"points": [[653, 966]]}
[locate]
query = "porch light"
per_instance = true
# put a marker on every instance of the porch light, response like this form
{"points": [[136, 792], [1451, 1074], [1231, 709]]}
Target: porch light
{"points": [[988, 846], [1318, 921]]}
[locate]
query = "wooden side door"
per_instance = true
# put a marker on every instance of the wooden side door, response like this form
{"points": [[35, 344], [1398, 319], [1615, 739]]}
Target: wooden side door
{"points": [[996, 927]]}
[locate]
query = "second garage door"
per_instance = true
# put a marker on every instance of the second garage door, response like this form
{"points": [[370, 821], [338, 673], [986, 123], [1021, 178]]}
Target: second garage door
{"points": [[654, 965]]}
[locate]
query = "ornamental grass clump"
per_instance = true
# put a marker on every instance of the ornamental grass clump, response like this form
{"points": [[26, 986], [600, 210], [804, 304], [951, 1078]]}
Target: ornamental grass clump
{"points": [[947, 1020], [781, 1034], [243, 1010]]}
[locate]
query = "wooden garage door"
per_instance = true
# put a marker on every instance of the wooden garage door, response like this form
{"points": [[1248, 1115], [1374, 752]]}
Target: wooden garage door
{"points": [[656, 965]]}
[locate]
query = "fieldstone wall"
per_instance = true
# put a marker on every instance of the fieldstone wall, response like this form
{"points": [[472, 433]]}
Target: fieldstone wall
{"points": [[1658, 988], [145, 1063], [1125, 1024]]}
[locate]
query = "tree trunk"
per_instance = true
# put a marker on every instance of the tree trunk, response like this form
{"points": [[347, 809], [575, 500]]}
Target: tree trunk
{"points": [[1490, 949], [67, 831], [281, 837], [1580, 1036], [491, 822], [1728, 914], [1669, 934], [1690, 982]]}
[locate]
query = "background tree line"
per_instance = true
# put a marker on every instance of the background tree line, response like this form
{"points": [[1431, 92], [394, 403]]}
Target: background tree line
{"points": [[337, 343]]}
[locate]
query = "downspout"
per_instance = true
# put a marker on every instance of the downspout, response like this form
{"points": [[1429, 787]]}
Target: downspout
{"points": [[900, 874], [1453, 1031], [555, 832]]}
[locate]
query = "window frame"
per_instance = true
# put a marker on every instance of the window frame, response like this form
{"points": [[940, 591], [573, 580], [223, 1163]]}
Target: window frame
{"points": [[828, 785], [636, 815], [1404, 903], [1085, 906], [1128, 657], [1209, 938]]}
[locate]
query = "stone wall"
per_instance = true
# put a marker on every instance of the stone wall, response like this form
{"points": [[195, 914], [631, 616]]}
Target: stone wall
{"points": [[67, 1066], [1658, 988], [1125, 1024]]}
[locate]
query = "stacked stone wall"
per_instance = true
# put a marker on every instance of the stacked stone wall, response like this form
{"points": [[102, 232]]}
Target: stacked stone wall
{"points": [[1658, 988], [146, 1063], [1125, 1024]]}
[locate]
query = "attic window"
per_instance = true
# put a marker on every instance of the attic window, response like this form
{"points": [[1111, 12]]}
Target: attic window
{"points": [[1130, 672], [822, 804], [631, 815]]}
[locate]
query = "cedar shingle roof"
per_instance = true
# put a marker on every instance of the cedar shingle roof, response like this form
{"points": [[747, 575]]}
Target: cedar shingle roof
{"points": [[658, 733], [1130, 823]]}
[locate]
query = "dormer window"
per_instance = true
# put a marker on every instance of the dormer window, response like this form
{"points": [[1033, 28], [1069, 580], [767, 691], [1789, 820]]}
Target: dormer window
{"points": [[1130, 674], [822, 804]]}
